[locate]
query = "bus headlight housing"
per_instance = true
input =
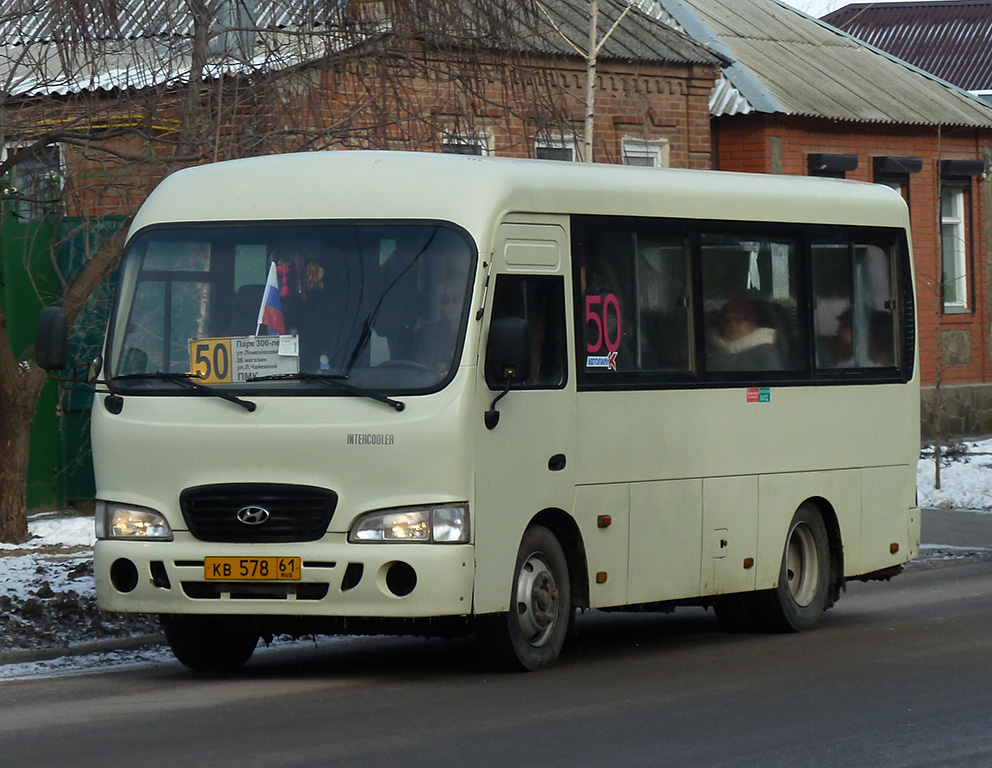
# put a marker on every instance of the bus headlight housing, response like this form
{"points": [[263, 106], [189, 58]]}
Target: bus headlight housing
{"points": [[127, 521], [442, 524]]}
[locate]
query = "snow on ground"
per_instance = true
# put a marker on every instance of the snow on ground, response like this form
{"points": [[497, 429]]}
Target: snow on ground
{"points": [[50, 624], [47, 593], [965, 477]]}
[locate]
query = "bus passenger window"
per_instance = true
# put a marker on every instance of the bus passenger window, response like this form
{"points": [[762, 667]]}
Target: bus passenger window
{"points": [[632, 302], [853, 293], [750, 304], [540, 300]]}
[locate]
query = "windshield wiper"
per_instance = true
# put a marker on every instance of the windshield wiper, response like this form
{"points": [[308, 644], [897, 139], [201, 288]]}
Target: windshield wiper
{"points": [[188, 380], [334, 381]]}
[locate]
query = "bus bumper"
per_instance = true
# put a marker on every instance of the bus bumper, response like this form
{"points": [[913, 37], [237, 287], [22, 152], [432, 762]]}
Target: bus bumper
{"points": [[336, 579]]}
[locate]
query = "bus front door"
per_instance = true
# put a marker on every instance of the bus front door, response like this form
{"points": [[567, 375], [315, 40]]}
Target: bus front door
{"points": [[524, 472]]}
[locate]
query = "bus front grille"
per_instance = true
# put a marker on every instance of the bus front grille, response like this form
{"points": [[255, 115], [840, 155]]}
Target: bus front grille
{"points": [[257, 512]]}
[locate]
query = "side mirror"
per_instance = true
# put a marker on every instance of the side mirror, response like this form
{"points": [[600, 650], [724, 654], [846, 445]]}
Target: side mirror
{"points": [[507, 359], [51, 339], [508, 352]]}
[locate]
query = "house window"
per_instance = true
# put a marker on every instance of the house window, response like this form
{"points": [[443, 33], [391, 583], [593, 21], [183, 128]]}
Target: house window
{"points": [[467, 144], [35, 185], [894, 172], [555, 149], [831, 165], [653, 154], [954, 246]]}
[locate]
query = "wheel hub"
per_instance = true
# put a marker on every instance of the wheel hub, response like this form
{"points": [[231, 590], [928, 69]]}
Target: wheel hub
{"points": [[537, 600], [802, 565]]}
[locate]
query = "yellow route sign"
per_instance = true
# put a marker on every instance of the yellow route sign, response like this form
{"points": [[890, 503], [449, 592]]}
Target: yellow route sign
{"points": [[233, 360]]}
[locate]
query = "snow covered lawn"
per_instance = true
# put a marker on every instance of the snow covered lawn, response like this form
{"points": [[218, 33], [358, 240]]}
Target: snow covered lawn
{"points": [[47, 591], [965, 477]]}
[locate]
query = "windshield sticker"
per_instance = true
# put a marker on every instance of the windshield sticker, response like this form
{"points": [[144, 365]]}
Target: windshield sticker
{"points": [[238, 359]]}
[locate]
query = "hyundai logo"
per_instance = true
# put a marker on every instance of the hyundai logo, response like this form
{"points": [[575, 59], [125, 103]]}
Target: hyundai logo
{"points": [[253, 515]]}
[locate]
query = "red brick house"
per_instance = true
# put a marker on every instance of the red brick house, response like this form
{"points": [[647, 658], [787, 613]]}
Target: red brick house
{"points": [[799, 97], [286, 75]]}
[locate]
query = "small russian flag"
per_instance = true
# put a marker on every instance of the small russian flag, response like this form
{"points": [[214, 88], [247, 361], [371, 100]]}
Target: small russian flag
{"points": [[270, 313]]}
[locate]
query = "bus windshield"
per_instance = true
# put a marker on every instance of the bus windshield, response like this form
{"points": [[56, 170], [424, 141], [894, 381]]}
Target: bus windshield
{"points": [[278, 306]]}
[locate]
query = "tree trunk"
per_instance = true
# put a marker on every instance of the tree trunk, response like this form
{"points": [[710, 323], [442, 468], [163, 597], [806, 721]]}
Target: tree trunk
{"points": [[15, 439], [590, 107], [190, 132]]}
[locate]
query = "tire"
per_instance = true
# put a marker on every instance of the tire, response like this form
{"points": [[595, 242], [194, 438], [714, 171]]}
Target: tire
{"points": [[803, 590], [529, 637], [210, 643]]}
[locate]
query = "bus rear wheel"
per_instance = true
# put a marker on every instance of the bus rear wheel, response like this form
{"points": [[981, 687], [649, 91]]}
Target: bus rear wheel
{"points": [[530, 636], [210, 643], [802, 594]]}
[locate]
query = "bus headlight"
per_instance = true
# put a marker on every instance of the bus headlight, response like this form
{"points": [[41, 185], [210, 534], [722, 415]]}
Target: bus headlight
{"points": [[125, 521], [447, 524]]}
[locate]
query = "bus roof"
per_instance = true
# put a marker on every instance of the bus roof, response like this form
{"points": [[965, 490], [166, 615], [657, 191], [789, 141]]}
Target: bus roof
{"points": [[474, 191]]}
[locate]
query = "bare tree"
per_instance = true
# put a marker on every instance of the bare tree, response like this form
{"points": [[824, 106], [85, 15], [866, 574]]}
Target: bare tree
{"points": [[590, 53], [126, 96]]}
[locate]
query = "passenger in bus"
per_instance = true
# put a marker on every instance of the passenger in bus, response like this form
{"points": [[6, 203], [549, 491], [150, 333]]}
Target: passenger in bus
{"points": [[881, 350], [739, 343], [837, 351]]}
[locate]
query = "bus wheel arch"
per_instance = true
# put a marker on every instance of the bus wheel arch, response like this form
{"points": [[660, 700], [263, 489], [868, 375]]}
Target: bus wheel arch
{"points": [[565, 529], [829, 516]]}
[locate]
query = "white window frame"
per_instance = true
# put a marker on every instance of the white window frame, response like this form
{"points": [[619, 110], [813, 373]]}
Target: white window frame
{"points": [[954, 259], [481, 139], [558, 142], [655, 151]]}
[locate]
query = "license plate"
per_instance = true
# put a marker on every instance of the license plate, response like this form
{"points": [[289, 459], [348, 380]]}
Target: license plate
{"points": [[251, 568]]}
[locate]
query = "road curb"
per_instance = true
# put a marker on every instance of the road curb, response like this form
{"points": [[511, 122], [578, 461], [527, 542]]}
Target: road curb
{"points": [[28, 655]]}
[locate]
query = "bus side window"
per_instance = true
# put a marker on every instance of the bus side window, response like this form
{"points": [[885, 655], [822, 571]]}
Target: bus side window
{"points": [[540, 300], [633, 301], [750, 298], [853, 306]]}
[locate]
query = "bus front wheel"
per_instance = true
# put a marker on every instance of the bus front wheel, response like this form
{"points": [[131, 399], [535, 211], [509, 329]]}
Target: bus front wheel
{"points": [[209, 643], [530, 635]]}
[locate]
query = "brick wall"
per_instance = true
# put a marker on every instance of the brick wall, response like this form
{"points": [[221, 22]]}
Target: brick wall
{"points": [[531, 100], [407, 103]]}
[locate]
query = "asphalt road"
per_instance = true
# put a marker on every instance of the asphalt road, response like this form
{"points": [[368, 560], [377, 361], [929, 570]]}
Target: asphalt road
{"points": [[897, 674], [958, 528]]}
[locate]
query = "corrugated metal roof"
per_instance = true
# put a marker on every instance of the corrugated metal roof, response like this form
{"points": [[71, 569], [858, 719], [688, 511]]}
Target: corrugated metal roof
{"points": [[62, 48], [34, 21], [785, 61], [639, 36], [140, 43], [952, 39]]}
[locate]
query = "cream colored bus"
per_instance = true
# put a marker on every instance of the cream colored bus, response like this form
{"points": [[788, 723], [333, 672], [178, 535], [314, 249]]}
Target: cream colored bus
{"points": [[397, 392]]}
